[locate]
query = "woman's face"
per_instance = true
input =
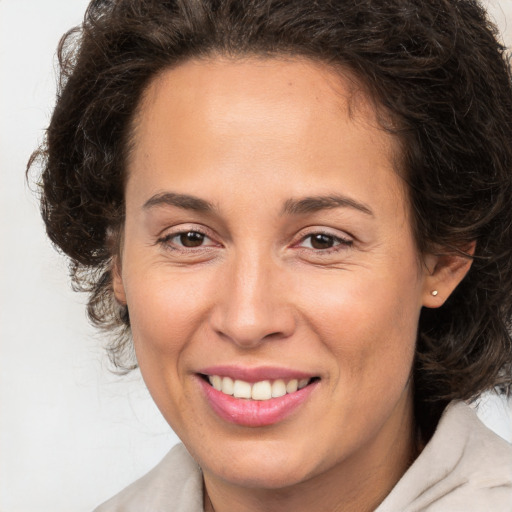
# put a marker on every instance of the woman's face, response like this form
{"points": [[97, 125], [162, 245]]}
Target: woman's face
{"points": [[268, 241]]}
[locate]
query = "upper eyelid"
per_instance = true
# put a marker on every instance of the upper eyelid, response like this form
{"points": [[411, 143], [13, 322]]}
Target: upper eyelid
{"points": [[315, 230], [170, 236], [182, 228], [339, 241], [300, 236], [335, 237], [166, 236]]}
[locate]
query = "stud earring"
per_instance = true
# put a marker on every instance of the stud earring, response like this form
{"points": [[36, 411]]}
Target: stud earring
{"points": [[434, 292]]}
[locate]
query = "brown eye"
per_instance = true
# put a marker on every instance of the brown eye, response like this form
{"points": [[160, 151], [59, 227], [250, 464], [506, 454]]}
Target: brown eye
{"points": [[191, 239], [321, 241]]}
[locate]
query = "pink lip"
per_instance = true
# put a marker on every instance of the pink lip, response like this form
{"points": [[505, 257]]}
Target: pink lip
{"points": [[255, 374], [254, 413]]}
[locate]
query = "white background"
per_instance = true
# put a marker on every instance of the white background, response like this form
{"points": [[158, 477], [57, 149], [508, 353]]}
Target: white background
{"points": [[71, 434]]}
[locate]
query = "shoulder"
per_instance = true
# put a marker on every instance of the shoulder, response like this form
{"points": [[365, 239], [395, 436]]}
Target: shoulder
{"points": [[174, 484], [465, 467]]}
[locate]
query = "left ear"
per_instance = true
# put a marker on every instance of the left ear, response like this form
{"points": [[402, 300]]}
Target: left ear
{"points": [[443, 273]]}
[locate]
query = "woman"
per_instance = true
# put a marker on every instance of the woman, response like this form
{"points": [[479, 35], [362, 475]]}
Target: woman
{"points": [[298, 215]]}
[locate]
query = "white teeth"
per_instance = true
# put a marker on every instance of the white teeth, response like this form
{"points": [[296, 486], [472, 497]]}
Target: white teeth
{"points": [[278, 388], [216, 382], [242, 389], [262, 390], [292, 386], [303, 383], [228, 386]]}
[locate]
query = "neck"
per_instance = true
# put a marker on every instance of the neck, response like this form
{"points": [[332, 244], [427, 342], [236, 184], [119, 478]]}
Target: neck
{"points": [[359, 483]]}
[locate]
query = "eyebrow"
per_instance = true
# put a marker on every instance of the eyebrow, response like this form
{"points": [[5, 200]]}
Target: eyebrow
{"points": [[184, 201], [317, 203], [291, 206]]}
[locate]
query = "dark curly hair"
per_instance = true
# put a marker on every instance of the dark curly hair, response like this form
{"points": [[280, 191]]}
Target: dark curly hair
{"points": [[434, 67]]}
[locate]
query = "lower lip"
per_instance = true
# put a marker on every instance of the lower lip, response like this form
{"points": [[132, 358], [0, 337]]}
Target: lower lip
{"points": [[255, 413]]}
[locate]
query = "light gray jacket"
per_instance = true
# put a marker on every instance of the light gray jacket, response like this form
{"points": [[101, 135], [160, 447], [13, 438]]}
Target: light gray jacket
{"points": [[464, 468]]}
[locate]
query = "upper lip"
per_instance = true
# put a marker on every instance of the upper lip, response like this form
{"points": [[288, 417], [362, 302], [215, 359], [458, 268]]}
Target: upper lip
{"points": [[255, 374]]}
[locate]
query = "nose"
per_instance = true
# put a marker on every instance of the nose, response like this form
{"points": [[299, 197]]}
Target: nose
{"points": [[252, 304]]}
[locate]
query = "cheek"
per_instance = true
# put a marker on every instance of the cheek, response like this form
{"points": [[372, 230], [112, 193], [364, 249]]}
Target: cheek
{"points": [[164, 310], [368, 321], [165, 317]]}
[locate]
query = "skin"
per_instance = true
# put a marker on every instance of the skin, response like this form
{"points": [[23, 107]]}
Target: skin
{"points": [[247, 136]]}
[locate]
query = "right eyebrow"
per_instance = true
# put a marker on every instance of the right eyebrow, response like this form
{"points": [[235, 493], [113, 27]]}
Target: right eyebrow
{"points": [[184, 201], [317, 203]]}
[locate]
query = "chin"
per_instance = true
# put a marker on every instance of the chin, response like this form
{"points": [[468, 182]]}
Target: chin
{"points": [[267, 473], [261, 463]]}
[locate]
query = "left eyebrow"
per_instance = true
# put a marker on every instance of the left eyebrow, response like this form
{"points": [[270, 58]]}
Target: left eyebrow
{"points": [[317, 203], [185, 201]]}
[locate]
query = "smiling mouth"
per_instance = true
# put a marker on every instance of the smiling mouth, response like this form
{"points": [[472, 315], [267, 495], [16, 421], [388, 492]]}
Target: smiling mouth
{"points": [[261, 390]]}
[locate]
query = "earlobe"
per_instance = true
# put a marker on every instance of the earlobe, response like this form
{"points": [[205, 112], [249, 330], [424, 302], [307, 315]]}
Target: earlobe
{"points": [[443, 273], [117, 282]]}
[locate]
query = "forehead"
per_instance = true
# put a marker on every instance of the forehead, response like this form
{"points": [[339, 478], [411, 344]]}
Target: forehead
{"points": [[290, 121], [255, 88]]}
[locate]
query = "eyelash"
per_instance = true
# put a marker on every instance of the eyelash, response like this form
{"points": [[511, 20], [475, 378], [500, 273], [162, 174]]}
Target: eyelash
{"points": [[166, 240], [340, 243]]}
